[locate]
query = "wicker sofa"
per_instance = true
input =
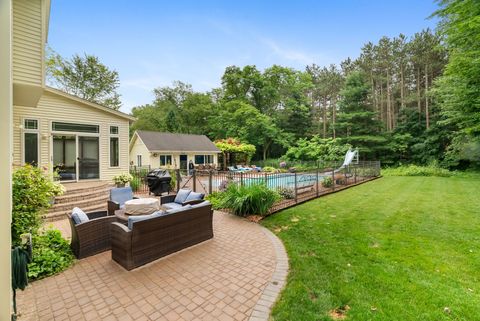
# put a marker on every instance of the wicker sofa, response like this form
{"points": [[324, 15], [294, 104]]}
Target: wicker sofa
{"points": [[156, 237], [91, 237]]}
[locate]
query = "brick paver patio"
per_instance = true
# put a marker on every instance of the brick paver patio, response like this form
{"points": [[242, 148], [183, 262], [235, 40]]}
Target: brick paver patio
{"points": [[235, 276]]}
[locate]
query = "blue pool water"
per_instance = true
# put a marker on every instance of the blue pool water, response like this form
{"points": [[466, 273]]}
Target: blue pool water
{"points": [[285, 180]]}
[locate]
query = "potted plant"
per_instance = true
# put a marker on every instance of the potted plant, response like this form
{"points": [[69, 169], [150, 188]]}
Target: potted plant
{"points": [[122, 179]]}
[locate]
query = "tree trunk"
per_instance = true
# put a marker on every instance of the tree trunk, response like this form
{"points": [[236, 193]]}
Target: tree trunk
{"points": [[334, 115], [382, 112], [427, 112], [266, 146], [419, 98], [389, 105], [324, 118], [402, 88]]}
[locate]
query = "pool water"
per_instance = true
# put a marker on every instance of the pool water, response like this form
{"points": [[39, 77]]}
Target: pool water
{"points": [[285, 180]]}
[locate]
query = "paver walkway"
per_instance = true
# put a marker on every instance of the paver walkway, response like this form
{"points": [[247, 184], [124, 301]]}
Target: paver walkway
{"points": [[222, 279]]}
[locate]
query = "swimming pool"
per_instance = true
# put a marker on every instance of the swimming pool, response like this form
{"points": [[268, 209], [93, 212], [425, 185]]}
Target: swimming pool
{"points": [[284, 180]]}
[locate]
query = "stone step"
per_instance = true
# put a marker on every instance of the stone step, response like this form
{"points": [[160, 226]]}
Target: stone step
{"points": [[99, 199], [60, 215], [86, 188], [76, 197]]}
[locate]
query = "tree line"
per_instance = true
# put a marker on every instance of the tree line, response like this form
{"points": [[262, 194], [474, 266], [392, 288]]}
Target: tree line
{"points": [[403, 100]]}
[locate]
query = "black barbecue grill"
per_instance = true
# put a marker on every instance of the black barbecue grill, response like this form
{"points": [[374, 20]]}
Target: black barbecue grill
{"points": [[158, 181]]}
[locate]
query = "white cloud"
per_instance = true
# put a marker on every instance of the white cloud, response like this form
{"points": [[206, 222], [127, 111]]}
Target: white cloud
{"points": [[294, 55]]}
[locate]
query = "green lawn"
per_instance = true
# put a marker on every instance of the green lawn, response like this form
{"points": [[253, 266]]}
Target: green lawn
{"points": [[397, 248]]}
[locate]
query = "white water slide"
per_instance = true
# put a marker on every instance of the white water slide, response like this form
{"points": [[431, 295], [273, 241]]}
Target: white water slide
{"points": [[349, 156]]}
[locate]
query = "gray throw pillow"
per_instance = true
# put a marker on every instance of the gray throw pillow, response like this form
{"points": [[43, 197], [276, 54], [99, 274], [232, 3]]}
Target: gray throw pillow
{"points": [[79, 216], [138, 218], [193, 196], [179, 209], [182, 196]]}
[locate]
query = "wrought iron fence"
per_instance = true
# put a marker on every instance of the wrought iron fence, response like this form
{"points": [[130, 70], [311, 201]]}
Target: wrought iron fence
{"points": [[296, 185]]}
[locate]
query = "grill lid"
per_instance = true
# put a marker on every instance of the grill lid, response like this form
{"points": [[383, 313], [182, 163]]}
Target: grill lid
{"points": [[158, 172]]}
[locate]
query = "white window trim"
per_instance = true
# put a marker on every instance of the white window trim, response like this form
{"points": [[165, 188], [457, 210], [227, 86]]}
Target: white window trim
{"points": [[204, 158], [109, 147], [141, 160], [165, 155], [34, 131]]}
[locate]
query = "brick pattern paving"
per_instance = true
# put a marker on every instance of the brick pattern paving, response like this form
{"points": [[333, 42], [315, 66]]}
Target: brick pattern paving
{"points": [[234, 276]]}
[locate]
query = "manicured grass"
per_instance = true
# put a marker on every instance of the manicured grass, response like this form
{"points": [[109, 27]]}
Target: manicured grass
{"points": [[397, 248]]}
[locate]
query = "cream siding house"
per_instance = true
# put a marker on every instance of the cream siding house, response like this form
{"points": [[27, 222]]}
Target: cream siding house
{"points": [[161, 150], [59, 132]]}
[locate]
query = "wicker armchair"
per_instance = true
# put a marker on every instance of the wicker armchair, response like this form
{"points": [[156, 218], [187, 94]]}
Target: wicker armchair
{"points": [[91, 237], [118, 197]]}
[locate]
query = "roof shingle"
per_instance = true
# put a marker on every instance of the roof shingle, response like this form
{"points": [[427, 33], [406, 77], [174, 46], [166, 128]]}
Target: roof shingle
{"points": [[173, 142]]}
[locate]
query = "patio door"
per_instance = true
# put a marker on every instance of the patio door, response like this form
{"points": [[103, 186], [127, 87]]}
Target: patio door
{"points": [[65, 156], [76, 157], [88, 157]]}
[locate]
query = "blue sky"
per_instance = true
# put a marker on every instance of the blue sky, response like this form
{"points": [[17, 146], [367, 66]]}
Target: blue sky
{"points": [[152, 43]]}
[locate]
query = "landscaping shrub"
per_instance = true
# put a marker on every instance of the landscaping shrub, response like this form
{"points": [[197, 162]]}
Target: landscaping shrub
{"points": [[135, 183], [51, 254], [269, 169], [245, 200], [32, 195], [215, 198], [414, 170], [285, 192], [327, 182]]}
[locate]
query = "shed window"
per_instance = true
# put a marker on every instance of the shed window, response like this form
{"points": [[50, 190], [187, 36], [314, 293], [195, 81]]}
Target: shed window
{"points": [[165, 160], [203, 159], [199, 159]]}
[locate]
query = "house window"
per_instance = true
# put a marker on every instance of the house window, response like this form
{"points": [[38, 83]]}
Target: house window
{"points": [[30, 142], [71, 127], [165, 160], [199, 159], [114, 147], [208, 159], [114, 152], [139, 160]]}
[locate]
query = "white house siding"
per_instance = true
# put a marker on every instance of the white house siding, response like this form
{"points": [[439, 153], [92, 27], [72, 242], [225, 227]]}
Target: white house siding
{"points": [[27, 46], [52, 107], [139, 148]]}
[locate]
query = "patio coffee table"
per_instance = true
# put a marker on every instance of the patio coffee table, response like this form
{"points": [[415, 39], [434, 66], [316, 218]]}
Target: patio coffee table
{"points": [[123, 216], [142, 206]]}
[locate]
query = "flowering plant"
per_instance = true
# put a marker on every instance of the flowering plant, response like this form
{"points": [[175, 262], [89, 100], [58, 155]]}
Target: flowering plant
{"points": [[122, 178]]}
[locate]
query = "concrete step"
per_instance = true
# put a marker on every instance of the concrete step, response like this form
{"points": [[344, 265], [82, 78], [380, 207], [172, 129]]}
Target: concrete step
{"points": [[98, 199], [62, 214]]}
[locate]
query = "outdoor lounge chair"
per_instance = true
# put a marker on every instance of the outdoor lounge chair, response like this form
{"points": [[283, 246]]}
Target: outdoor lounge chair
{"points": [[118, 197], [90, 232], [244, 169]]}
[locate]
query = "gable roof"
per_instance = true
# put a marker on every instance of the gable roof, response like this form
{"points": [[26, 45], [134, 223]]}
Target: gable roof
{"points": [[173, 142], [88, 103]]}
